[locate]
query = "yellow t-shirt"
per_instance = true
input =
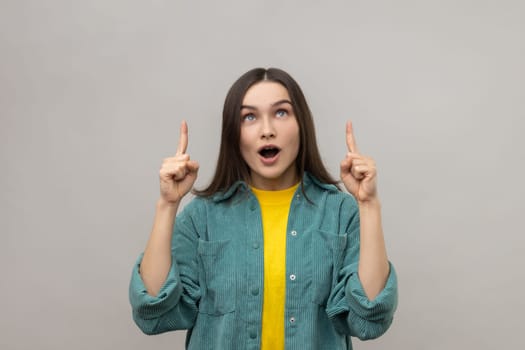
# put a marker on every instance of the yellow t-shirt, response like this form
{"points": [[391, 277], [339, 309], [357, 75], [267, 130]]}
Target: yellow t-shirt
{"points": [[275, 206]]}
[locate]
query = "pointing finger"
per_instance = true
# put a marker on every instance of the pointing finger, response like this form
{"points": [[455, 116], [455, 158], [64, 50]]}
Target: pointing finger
{"points": [[350, 139], [183, 138]]}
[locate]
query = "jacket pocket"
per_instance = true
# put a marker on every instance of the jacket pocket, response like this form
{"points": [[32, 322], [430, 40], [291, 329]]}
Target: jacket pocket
{"points": [[327, 254], [217, 259]]}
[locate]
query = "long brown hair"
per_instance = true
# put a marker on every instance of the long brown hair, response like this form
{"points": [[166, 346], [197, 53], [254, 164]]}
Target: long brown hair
{"points": [[231, 167]]}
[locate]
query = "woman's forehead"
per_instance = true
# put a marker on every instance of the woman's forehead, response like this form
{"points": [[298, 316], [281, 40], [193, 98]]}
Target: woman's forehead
{"points": [[265, 94]]}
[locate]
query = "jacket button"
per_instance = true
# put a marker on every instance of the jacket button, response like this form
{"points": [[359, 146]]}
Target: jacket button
{"points": [[292, 320], [255, 291], [292, 277], [253, 335], [255, 245], [294, 233]]}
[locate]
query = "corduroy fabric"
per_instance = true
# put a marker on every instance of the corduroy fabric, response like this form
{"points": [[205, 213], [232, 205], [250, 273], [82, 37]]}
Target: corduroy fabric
{"points": [[217, 271]]}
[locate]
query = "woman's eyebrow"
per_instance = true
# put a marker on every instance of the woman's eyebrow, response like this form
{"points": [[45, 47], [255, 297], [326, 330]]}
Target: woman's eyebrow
{"points": [[272, 105]]}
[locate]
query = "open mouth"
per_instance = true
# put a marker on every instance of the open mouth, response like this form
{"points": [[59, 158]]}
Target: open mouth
{"points": [[269, 151]]}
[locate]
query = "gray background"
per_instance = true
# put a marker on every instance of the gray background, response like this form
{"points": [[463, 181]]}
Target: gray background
{"points": [[92, 94]]}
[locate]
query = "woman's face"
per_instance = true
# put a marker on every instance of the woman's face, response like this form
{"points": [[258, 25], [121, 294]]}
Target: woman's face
{"points": [[269, 136]]}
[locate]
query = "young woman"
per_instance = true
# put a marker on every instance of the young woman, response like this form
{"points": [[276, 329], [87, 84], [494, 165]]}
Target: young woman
{"points": [[272, 254]]}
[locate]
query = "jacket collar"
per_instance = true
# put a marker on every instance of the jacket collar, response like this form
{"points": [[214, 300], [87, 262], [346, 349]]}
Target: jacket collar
{"points": [[240, 186]]}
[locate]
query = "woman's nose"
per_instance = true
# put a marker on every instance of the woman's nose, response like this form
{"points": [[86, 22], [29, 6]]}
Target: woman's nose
{"points": [[268, 129]]}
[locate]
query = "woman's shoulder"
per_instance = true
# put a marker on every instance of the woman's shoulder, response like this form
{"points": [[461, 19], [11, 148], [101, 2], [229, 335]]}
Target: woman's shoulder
{"points": [[194, 207], [331, 192], [199, 205]]}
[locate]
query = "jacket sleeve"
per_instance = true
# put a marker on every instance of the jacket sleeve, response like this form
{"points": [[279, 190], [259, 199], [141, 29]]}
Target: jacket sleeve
{"points": [[175, 306], [348, 306]]}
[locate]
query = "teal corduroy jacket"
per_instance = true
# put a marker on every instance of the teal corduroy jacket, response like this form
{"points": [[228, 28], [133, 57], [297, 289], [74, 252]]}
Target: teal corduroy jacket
{"points": [[214, 287]]}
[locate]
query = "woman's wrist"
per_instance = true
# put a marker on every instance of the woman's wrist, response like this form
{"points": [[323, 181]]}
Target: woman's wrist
{"points": [[164, 205], [370, 204]]}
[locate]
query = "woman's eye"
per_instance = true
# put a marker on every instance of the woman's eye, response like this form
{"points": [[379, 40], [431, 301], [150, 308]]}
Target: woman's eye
{"points": [[248, 117], [282, 113]]}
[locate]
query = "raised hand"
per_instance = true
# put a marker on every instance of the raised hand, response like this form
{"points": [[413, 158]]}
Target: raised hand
{"points": [[178, 173], [358, 172]]}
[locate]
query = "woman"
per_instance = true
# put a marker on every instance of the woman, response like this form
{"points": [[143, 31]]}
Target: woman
{"points": [[271, 255]]}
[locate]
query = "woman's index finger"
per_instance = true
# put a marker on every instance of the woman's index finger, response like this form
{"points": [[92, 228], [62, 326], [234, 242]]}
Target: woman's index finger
{"points": [[350, 139], [183, 138]]}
